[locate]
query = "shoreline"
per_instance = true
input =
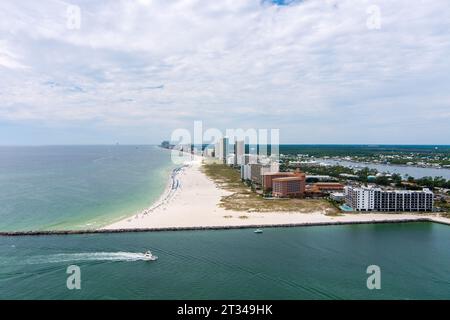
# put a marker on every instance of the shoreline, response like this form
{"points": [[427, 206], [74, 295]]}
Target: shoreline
{"points": [[172, 186], [194, 204], [169, 191], [205, 228], [190, 201]]}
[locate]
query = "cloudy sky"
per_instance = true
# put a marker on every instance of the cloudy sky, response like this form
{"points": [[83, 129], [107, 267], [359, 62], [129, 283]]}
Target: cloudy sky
{"points": [[322, 71]]}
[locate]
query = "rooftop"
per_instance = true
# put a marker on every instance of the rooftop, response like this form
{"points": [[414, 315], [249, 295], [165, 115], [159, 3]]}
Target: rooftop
{"points": [[278, 173], [426, 190], [296, 178]]}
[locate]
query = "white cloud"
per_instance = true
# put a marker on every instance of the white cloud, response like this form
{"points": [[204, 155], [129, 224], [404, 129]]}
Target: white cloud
{"points": [[8, 59], [229, 63]]}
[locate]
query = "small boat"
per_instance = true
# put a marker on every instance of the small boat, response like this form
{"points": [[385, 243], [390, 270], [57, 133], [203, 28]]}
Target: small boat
{"points": [[258, 231], [148, 256]]}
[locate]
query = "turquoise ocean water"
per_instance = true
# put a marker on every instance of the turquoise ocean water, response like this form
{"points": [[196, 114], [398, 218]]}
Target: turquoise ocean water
{"points": [[78, 187]]}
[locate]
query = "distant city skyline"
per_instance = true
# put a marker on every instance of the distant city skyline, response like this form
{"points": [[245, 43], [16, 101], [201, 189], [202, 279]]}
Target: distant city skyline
{"points": [[131, 72]]}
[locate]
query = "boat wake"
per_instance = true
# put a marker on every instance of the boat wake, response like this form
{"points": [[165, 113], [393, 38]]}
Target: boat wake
{"points": [[88, 256]]}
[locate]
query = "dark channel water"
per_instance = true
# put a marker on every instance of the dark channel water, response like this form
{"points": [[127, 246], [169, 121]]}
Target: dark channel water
{"points": [[327, 262]]}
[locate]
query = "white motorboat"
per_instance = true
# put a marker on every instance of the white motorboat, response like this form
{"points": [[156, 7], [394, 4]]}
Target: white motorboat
{"points": [[148, 256], [258, 231]]}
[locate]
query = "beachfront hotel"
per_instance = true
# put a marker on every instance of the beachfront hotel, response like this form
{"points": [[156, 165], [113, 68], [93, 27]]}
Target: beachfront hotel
{"points": [[267, 179], [376, 199], [289, 187]]}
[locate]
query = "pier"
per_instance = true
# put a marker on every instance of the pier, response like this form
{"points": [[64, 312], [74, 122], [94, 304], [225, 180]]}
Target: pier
{"points": [[200, 228]]}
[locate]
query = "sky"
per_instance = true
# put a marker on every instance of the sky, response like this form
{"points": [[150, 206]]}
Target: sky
{"points": [[320, 71]]}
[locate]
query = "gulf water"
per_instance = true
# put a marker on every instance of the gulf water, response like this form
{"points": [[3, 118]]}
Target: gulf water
{"points": [[78, 187]]}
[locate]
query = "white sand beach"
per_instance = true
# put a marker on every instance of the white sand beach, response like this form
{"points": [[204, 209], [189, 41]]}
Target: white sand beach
{"points": [[191, 200]]}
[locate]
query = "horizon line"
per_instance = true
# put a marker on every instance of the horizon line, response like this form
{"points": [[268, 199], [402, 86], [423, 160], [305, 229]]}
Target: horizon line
{"points": [[281, 144]]}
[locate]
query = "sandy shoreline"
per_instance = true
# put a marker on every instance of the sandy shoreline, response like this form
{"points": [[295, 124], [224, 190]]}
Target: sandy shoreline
{"points": [[191, 200], [171, 188]]}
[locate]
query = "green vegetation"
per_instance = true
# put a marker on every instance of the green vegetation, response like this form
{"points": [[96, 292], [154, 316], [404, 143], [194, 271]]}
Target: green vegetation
{"points": [[336, 205], [444, 205], [242, 198], [396, 179], [430, 182], [364, 150], [333, 171], [424, 156], [363, 174]]}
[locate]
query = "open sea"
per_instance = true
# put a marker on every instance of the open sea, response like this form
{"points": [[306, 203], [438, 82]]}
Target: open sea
{"points": [[78, 187]]}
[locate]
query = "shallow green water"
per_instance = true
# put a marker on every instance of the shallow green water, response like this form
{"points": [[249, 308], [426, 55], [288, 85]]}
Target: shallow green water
{"points": [[78, 187], [282, 263]]}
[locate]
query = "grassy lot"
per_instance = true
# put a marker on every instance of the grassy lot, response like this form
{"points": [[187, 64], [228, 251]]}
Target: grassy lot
{"points": [[244, 199]]}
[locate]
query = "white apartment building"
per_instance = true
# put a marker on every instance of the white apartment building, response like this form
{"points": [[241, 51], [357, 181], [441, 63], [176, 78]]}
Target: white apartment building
{"points": [[218, 150], [255, 171], [225, 149], [208, 152], [222, 149], [246, 172], [360, 199], [250, 158], [239, 151], [230, 159], [376, 199]]}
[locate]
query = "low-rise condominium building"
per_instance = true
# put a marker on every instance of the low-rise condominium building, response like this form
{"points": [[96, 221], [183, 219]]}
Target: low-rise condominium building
{"points": [[377, 199]]}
